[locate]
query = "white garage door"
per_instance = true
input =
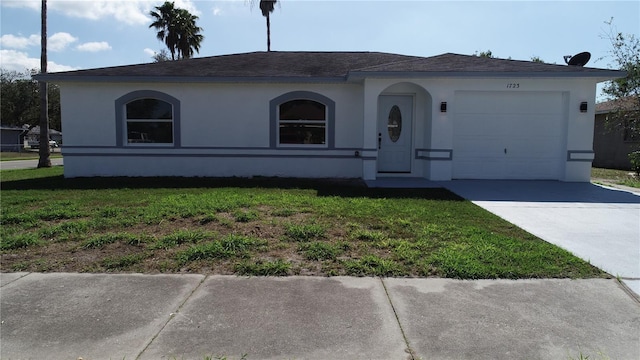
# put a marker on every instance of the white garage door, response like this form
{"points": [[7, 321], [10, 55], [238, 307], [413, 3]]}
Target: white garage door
{"points": [[508, 135]]}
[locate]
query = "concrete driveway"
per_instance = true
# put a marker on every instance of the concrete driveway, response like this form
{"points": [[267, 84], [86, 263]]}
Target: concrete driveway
{"points": [[596, 223]]}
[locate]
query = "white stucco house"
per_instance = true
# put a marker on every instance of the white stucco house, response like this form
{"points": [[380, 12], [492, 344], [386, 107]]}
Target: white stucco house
{"points": [[331, 114]]}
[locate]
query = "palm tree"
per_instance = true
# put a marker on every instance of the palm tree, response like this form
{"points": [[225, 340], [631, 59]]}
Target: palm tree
{"points": [[44, 151], [178, 29], [189, 37], [267, 6], [165, 24]]}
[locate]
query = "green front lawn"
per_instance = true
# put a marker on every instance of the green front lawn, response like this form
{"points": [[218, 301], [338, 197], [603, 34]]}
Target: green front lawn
{"points": [[617, 177], [261, 226]]}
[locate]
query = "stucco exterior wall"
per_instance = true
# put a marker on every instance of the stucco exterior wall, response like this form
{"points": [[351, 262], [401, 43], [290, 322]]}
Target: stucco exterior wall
{"points": [[225, 129], [578, 126]]}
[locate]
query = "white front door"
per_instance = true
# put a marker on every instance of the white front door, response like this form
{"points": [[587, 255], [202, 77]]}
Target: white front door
{"points": [[395, 120]]}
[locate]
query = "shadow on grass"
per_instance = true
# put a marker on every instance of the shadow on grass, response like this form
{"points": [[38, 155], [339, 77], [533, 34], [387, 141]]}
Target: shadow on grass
{"points": [[324, 187]]}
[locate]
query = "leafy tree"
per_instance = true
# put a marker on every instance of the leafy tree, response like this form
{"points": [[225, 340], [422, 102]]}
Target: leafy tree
{"points": [[177, 29], [19, 96], [161, 56], [537, 59], [624, 92], [487, 54], [44, 151]]}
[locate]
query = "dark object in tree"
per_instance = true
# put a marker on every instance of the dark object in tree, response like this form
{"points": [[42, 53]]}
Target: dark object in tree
{"points": [[177, 29]]}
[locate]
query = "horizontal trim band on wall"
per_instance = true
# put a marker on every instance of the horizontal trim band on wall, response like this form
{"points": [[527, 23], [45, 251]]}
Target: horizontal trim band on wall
{"points": [[434, 154], [255, 148], [580, 155], [183, 155]]}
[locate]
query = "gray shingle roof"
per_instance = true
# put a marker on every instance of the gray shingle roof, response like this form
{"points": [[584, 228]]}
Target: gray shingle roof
{"points": [[627, 103], [309, 66]]}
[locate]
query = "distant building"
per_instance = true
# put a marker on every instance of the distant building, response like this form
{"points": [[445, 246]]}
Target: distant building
{"points": [[33, 136], [12, 138]]}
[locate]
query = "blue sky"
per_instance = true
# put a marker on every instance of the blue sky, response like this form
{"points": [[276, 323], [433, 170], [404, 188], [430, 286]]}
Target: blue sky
{"points": [[98, 33]]}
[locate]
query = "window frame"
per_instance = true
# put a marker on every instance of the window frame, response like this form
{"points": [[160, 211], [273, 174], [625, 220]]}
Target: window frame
{"points": [[303, 122], [329, 121], [122, 121]]}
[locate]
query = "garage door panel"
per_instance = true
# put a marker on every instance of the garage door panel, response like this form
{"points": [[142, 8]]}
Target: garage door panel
{"points": [[479, 169], [479, 146], [481, 125], [471, 102], [533, 169], [508, 135]]}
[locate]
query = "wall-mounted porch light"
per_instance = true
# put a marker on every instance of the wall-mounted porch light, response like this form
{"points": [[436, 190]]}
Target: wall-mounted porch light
{"points": [[443, 106], [583, 106]]}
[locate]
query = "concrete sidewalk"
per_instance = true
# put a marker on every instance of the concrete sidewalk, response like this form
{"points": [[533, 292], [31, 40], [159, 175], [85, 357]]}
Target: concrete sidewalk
{"points": [[66, 316]]}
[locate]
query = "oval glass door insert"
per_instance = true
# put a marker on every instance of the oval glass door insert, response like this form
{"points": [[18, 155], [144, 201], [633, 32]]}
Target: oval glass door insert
{"points": [[394, 125]]}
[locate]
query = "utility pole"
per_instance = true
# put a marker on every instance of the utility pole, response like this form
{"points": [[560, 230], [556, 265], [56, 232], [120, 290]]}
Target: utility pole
{"points": [[44, 150]]}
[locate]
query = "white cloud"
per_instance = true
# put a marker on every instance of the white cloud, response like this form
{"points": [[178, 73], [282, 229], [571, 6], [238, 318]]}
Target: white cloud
{"points": [[19, 42], [13, 60], [59, 41], [94, 46], [56, 42], [132, 12], [149, 52], [216, 11]]}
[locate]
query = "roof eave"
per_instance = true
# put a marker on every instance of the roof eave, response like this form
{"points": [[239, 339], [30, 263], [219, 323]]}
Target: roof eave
{"points": [[51, 77], [601, 75]]}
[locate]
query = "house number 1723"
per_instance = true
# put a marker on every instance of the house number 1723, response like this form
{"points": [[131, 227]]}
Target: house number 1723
{"points": [[513, 86]]}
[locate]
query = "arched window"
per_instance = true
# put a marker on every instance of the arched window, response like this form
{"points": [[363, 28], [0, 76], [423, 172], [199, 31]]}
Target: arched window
{"points": [[149, 121], [302, 119], [148, 117]]}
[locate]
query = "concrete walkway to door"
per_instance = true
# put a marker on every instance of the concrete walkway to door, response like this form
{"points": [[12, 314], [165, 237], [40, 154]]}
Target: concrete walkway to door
{"points": [[596, 223]]}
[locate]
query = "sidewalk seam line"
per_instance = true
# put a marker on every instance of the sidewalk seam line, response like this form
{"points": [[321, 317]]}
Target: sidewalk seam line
{"points": [[395, 313], [173, 314], [14, 280], [627, 289]]}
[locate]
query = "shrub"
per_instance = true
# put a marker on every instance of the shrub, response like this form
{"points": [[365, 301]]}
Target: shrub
{"points": [[634, 158]]}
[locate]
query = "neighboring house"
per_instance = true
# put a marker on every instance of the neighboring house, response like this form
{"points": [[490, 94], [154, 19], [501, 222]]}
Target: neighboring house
{"points": [[612, 145], [33, 136], [331, 114], [12, 138]]}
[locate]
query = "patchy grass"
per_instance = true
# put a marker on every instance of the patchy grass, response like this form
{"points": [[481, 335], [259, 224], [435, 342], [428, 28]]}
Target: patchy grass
{"points": [[261, 227], [616, 177]]}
